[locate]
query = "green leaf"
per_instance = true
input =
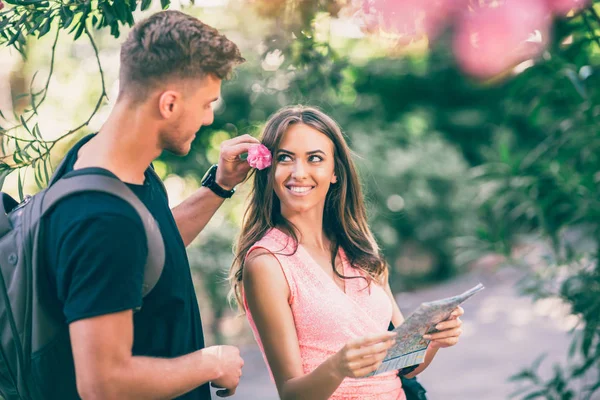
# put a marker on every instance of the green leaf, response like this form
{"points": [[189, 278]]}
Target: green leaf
{"points": [[31, 28], [20, 186], [80, 28], [35, 174], [3, 176], [165, 4], [46, 174], [24, 123], [14, 38], [37, 3], [17, 154], [114, 29], [3, 23], [36, 132], [45, 28], [31, 86], [107, 12], [121, 11], [130, 20], [146, 4], [21, 96], [25, 153], [66, 16], [574, 344], [589, 333], [36, 148]]}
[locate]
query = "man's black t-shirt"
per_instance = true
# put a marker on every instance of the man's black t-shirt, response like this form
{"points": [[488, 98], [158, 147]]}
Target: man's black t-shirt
{"points": [[95, 249]]}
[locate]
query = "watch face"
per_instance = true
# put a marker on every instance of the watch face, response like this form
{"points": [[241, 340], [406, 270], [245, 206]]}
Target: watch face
{"points": [[209, 176], [210, 182]]}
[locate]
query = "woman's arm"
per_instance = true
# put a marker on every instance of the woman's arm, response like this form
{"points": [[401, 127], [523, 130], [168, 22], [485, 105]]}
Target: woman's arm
{"points": [[397, 317], [267, 294]]}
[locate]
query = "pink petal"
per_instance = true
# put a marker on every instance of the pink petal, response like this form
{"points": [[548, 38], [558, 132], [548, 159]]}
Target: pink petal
{"points": [[259, 156]]}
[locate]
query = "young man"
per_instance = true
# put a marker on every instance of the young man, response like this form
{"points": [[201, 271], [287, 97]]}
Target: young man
{"points": [[94, 244]]}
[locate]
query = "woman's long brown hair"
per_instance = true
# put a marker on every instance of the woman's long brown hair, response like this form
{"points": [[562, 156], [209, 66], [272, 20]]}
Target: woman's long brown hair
{"points": [[344, 218]]}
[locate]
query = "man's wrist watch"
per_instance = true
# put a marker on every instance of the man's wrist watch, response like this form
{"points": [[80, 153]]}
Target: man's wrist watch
{"points": [[210, 181]]}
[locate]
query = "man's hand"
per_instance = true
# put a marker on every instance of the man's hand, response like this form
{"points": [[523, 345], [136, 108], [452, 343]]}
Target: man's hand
{"points": [[230, 366], [232, 169], [194, 213]]}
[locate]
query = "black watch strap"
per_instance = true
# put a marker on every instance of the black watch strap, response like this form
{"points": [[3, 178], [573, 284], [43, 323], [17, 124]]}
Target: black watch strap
{"points": [[210, 181]]}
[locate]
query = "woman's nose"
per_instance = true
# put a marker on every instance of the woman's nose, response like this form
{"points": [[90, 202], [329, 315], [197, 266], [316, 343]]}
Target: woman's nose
{"points": [[299, 170]]}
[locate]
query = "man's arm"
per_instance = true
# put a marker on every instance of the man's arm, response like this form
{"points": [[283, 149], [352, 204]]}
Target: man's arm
{"points": [[106, 369], [193, 214], [97, 255]]}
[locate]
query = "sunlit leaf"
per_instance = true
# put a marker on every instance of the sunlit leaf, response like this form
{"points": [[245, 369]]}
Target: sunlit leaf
{"points": [[20, 185]]}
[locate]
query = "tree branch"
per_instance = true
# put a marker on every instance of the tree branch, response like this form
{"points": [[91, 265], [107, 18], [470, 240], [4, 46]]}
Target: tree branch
{"points": [[35, 106], [49, 144]]}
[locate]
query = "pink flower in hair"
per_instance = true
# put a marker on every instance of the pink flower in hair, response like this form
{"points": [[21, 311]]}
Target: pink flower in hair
{"points": [[259, 157]]}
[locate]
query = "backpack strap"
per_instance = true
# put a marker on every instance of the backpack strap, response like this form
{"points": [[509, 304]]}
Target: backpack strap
{"points": [[7, 203], [58, 172], [74, 184]]}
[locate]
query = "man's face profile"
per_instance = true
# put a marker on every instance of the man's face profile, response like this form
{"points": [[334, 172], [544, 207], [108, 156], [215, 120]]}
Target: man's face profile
{"points": [[186, 110]]}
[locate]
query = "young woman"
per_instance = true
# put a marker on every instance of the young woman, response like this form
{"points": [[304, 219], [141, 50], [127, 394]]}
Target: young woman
{"points": [[309, 274]]}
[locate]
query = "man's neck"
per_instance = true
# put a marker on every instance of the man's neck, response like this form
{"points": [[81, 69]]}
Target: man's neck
{"points": [[126, 144]]}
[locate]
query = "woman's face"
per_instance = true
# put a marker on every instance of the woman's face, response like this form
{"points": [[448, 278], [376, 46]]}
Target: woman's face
{"points": [[304, 169]]}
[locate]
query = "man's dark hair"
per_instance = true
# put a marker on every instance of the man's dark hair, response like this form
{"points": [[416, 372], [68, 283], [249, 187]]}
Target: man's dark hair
{"points": [[173, 45]]}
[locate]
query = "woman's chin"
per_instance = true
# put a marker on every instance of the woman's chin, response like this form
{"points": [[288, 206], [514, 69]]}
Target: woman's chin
{"points": [[296, 207]]}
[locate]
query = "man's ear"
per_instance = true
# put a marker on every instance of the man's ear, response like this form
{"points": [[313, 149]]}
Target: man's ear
{"points": [[169, 103]]}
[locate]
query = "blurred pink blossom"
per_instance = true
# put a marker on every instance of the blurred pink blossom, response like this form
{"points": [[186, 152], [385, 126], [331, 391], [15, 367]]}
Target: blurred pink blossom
{"points": [[489, 40], [562, 7], [259, 156], [1, 5], [441, 13], [409, 18]]}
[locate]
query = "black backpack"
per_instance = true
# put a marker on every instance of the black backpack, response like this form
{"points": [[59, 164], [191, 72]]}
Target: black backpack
{"points": [[35, 352]]}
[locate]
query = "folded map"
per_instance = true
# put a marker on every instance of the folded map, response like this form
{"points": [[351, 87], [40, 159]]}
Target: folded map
{"points": [[410, 346]]}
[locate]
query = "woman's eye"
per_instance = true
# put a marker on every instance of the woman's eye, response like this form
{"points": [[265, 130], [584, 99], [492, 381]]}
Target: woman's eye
{"points": [[283, 158], [315, 159]]}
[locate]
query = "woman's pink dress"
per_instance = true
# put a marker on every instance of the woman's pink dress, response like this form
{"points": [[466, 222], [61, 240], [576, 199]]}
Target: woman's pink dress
{"points": [[326, 318]]}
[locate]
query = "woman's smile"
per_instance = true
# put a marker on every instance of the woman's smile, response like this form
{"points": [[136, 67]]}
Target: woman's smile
{"points": [[299, 190]]}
